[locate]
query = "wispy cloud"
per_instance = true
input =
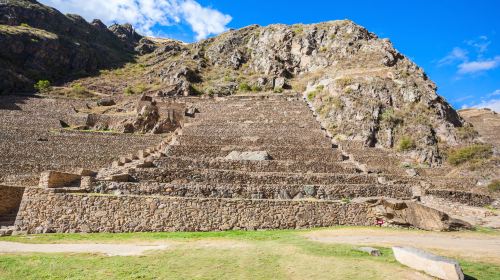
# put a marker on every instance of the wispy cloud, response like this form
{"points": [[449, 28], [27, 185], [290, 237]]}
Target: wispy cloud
{"points": [[478, 66], [491, 101], [470, 58], [456, 55], [144, 15]]}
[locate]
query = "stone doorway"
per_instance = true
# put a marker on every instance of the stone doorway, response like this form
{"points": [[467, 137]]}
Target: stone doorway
{"points": [[10, 200]]}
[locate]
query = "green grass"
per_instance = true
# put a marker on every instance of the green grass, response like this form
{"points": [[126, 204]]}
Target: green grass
{"points": [[277, 254], [472, 153]]}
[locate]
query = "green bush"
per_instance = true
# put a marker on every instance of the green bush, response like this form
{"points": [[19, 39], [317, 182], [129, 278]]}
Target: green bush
{"points": [[256, 88], [78, 89], [42, 86], [24, 25], [470, 153], [494, 186], [406, 143], [244, 87], [128, 91], [278, 90], [311, 95]]}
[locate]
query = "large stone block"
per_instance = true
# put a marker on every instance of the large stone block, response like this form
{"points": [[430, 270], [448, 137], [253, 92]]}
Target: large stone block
{"points": [[56, 179], [434, 265]]}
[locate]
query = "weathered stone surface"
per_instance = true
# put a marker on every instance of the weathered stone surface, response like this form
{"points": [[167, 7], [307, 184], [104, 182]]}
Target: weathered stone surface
{"points": [[10, 199], [437, 266], [105, 102], [251, 155], [43, 211], [410, 213], [56, 179]]}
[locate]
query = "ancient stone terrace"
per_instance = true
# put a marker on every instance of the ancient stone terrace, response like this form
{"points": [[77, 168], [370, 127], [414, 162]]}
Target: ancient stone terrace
{"points": [[242, 162], [32, 140]]}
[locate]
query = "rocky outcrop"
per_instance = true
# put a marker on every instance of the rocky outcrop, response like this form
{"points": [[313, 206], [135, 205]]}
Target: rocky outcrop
{"points": [[126, 33], [411, 213], [39, 43]]}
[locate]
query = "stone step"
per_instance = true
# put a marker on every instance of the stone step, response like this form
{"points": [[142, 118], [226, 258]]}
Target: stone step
{"points": [[256, 166], [318, 141], [250, 126], [277, 153], [243, 177], [241, 191]]}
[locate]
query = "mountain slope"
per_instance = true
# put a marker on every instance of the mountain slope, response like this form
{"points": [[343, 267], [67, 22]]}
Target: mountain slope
{"points": [[38, 42]]}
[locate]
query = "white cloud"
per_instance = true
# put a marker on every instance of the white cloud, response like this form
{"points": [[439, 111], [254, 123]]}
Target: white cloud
{"points": [[495, 93], [204, 21], [456, 55], [145, 14], [478, 66]]}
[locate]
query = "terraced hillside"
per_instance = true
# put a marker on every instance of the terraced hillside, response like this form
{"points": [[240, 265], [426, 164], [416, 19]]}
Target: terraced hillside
{"points": [[240, 162]]}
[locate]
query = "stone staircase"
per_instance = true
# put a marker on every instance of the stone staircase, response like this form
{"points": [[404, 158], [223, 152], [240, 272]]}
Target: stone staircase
{"points": [[305, 164]]}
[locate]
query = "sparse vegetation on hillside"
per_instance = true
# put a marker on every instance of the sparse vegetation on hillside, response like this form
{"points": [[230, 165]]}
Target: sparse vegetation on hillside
{"points": [[494, 185], [472, 153], [78, 89], [244, 87], [406, 143], [467, 132], [43, 86]]}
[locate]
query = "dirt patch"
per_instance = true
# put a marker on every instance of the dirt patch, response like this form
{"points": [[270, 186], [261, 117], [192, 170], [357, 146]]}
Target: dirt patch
{"points": [[469, 245], [115, 249], [107, 249]]}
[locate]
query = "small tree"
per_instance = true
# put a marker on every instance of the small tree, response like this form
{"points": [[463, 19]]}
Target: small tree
{"points": [[42, 86]]}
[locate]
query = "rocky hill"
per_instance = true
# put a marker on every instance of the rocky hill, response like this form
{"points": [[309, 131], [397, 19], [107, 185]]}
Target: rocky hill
{"points": [[38, 42], [361, 87]]}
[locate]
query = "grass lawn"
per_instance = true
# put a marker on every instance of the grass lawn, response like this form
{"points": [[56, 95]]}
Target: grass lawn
{"points": [[282, 254]]}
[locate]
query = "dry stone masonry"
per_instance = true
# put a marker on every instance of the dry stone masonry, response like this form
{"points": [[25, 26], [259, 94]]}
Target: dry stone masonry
{"points": [[241, 162]]}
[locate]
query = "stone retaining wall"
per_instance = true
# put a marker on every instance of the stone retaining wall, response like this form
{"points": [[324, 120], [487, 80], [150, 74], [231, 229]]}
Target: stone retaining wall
{"points": [[42, 211], [328, 192], [10, 199], [468, 198]]}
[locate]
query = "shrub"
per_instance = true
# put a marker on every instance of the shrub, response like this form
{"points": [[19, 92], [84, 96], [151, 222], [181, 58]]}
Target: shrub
{"points": [[24, 25], [244, 87], [406, 143], [256, 88], [470, 153], [278, 90], [311, 95], [494, 186], [42, 86], [128, 91], [78, 89], [390, 117]]}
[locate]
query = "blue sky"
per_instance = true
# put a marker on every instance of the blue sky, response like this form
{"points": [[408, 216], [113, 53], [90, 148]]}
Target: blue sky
{"points": [[456, 42]]}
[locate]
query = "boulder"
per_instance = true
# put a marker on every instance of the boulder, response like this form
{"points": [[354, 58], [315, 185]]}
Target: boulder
{"points": [[105, 102], [411, 213], [251, 155], [434, 265]]}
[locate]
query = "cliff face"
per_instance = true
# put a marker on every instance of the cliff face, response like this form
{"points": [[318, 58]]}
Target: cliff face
{"points": [[361, 87], [38, 42]]}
